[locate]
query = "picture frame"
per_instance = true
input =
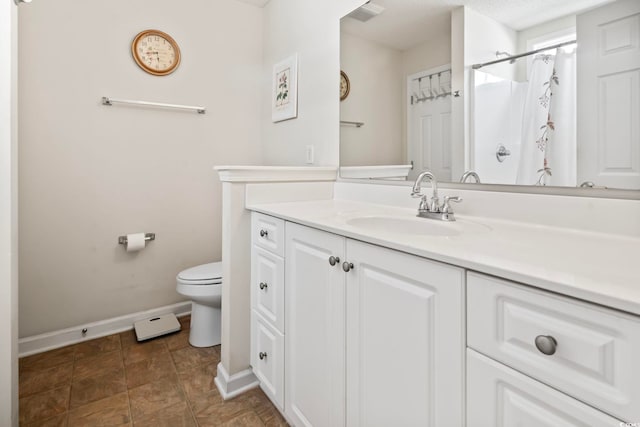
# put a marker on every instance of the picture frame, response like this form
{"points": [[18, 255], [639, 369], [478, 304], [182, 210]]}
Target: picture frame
{"points": [[284, 99]]}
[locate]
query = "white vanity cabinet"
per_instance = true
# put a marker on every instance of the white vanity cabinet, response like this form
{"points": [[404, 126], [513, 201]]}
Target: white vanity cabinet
{"points": [[589, 353], [373, 336], [267, 305], [362, 335]]}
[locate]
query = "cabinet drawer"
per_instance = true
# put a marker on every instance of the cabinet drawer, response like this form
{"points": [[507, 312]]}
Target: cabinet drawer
{"points": [[500, 396], [268, 233], [267, 358], [596, 349], [267, 281]]}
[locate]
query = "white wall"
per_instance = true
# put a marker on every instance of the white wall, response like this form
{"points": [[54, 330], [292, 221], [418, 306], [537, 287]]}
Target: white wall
{"points": [[483, 37], [89, 173], [430, 54], [475, 38], [498, 108], [8, 217], [376, 99], [459, 104], [527, 35], [312, 29]]}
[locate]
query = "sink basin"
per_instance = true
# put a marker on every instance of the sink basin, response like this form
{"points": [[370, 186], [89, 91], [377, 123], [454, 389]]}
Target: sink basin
{"points": [[416, 226]]}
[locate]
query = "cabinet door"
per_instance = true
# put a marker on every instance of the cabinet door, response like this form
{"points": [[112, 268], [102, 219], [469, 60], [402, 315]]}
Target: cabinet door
{"points": [[267, 358], [314, 317], [267, 282], [405, 340], [499, 396]]}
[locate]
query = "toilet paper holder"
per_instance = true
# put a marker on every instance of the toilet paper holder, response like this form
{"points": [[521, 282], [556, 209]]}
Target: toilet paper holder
{"points": [[122, 240]]}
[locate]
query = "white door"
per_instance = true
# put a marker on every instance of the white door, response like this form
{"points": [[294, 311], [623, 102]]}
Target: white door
{"points": [[500, 396], [429, 132], [609, 95], [405, 345], [314, 318]]}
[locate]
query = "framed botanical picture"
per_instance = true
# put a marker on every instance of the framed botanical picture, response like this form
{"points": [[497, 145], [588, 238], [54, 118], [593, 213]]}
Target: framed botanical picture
{"points": [[284, 101]]}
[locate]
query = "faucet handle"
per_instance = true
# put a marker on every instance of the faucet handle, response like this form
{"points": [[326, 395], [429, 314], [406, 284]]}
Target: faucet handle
{"points": [[446, 208], [424, 204]]}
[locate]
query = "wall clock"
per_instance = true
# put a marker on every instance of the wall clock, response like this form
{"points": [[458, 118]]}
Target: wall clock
{"points": [[156, 52], [345, 85]]}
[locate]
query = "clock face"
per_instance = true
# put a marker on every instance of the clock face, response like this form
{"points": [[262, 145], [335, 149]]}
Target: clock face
{"points": [[155, 52], [345, 86]]}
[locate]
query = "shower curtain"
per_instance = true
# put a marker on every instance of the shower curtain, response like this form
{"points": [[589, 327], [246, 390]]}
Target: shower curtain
{"points": [[548, 155]]}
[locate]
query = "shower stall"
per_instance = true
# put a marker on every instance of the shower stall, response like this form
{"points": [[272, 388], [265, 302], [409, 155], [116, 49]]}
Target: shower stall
{"points": [[523, 131]]}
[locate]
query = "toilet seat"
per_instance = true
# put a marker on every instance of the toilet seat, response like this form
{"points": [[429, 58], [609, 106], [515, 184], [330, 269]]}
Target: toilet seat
{"points": [[205, 274]]}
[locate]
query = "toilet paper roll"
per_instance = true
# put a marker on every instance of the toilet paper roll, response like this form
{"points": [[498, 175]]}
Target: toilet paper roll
{"points": [[135, 242]]}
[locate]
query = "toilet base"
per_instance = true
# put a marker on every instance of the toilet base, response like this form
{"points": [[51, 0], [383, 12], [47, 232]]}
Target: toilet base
{"points": [[205, 325]]}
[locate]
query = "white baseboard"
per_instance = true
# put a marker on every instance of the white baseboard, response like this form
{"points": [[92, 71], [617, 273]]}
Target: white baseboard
{"points": [[56, 339], [236, 384]]}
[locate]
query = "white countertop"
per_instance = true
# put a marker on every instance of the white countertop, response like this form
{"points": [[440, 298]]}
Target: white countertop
{"points": [[595, 267]]}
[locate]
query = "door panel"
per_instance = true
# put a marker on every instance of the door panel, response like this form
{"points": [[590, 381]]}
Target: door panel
{"points": [[404, 339], [314, 312], [609, 95]]}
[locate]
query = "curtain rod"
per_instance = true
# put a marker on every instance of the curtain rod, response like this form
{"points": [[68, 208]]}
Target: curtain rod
{"points": [[520, 55]]}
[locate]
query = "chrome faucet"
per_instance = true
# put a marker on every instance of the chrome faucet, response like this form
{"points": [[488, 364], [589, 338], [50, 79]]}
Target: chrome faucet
{"points": [[416, 191], [470, 174], [431, 208]]}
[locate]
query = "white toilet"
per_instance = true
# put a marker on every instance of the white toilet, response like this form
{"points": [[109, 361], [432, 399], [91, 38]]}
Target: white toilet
{"points": [[203, 285]]}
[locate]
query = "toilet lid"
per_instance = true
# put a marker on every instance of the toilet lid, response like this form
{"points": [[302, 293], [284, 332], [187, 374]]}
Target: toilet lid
{"points": [[209, 271]]}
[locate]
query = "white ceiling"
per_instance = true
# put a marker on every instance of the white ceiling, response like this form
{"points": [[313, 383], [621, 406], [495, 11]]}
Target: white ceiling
{"points": [[406, 23], [258, 3]]}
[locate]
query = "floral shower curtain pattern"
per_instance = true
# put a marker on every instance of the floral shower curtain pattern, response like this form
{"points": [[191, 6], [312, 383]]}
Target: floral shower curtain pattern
{"points": [[561, 151], [548, 154]]}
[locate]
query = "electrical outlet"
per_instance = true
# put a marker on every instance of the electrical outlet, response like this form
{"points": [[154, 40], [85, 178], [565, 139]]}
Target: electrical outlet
{"points": [[309, 152]]}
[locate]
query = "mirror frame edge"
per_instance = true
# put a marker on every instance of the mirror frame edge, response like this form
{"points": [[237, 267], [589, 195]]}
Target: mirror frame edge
{"points": [[600, 193]]}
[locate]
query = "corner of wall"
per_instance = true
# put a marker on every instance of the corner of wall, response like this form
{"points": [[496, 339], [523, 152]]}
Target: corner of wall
{"points": [[8, 215], [312, 30]]}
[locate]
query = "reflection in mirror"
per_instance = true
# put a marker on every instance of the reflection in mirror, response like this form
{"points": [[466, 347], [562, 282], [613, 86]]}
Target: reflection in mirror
{"points": [[526, 93], [396, 56]]}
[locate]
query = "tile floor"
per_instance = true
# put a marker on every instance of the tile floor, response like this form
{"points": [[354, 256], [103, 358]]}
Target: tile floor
{"points": [[115, 381]]}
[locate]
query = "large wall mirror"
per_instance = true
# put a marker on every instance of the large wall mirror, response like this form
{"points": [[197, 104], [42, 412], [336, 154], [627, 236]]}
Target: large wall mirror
{"points": [[535, 93]]}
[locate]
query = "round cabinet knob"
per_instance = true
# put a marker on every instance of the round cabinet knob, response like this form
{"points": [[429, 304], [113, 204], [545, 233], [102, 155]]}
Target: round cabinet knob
{"points": [[347, 266], [264, 233], [546, 344], [333, 260], [262, 355], [263, 285]]}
